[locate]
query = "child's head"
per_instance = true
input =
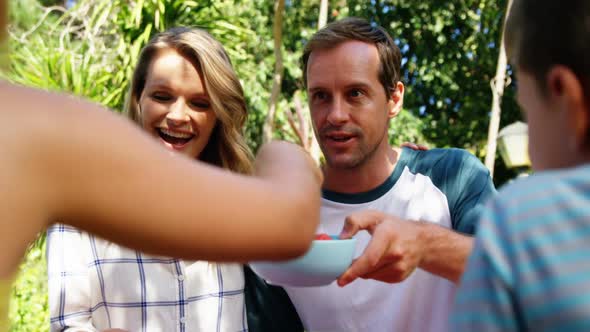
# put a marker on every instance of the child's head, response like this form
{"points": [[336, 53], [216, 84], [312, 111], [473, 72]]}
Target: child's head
{"points": [[548, 42], [185, 92]]}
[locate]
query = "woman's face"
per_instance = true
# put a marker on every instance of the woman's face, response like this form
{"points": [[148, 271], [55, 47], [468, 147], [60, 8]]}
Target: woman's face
{"points": [[174, 105]]}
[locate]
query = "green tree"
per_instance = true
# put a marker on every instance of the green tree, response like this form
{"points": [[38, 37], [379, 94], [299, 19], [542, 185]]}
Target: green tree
{"points": [[449, 49]]}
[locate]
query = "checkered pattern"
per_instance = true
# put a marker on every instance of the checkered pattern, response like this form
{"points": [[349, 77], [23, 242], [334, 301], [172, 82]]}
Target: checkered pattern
{"points": [[95, 285]]}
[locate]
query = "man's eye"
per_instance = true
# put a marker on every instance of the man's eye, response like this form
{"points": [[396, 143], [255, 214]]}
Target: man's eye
{"points": [[320, 95], [355, 93]]}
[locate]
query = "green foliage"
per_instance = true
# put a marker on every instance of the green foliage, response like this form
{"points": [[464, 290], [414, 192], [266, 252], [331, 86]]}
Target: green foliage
{"points": [[406, 127], [68, 53], [24, 14], [29, 310], [450, 51]]}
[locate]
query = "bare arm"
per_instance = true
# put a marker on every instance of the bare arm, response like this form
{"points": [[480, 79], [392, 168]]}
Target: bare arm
{"points": [[446, 251], [398, 247], [76, 163]]}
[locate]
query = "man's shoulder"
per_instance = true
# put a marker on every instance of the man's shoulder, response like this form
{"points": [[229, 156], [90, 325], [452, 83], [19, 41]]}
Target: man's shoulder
{"points": [[442, 160]]}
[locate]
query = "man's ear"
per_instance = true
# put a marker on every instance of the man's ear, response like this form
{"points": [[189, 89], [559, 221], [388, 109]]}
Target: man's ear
{"points": [[396, 100], [566, 90]]}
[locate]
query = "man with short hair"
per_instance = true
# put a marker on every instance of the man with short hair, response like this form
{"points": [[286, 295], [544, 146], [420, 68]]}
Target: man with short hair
{"points": [[419, 207]]}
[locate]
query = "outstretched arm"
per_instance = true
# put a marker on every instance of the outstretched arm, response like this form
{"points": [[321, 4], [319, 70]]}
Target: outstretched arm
{"points": [[398, 247], [70, 161]]}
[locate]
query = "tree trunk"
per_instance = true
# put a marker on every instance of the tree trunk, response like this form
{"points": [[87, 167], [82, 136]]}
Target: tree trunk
{"points": [[277, 28], [498, 83], [314, 147], [323, 19]]}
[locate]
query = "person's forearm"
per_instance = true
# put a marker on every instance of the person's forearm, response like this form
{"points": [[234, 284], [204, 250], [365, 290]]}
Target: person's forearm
{"points": [[81, 165], [446, 251], [299, 207], [128, 189]]}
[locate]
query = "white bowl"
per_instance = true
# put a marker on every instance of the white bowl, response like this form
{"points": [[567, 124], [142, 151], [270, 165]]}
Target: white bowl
{"points": [[323, 263]]}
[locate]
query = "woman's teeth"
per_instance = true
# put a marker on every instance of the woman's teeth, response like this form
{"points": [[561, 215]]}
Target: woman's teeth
{"points": [[174, 137], [175, 134]]}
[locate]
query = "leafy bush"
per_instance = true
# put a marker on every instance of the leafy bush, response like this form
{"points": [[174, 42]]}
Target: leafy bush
{"points": [[29, 310]]}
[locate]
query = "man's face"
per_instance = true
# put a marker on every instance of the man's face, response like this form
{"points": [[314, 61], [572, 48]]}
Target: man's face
{"points": [[349, 108]]}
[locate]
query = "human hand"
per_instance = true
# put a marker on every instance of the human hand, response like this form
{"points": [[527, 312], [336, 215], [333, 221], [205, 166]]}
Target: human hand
{"points": [[394, 252], [414, 146]]}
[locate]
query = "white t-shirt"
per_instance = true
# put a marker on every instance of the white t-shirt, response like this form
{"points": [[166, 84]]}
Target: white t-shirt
{"points": [[423, 301]]}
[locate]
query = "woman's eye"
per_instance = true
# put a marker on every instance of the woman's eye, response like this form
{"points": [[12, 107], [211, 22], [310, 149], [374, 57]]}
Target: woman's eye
{"points": [[201, 104], [161, 97]]}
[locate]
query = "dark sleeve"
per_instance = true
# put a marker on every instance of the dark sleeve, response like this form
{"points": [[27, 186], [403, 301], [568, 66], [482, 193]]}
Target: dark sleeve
{"points": [[463, 179], [469, 189], [268, 307]]}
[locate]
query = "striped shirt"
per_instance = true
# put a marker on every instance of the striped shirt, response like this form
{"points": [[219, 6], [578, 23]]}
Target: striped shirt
{"points": [[530, 268], [95, 285]]}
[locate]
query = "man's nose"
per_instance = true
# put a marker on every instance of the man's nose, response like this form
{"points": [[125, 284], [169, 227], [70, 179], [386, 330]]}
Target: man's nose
{"points": [[338, 113]]}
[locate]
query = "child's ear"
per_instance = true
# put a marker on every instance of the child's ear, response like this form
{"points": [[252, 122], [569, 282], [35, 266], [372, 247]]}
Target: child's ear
{"points": [[566, 90]]}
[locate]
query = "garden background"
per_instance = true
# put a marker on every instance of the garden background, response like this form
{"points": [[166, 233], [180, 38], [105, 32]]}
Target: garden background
{"points": [[89, 48]]}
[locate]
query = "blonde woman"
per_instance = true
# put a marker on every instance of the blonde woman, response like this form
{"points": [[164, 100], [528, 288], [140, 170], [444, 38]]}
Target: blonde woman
{"points": [[186, 95]]}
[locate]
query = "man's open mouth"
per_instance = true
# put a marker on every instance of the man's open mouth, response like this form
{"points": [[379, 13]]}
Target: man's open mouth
{"points": [[339, 137]]}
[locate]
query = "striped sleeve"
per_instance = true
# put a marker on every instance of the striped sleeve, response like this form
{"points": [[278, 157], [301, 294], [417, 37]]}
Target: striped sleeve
{"points": [[485, 296], [529, 268]]}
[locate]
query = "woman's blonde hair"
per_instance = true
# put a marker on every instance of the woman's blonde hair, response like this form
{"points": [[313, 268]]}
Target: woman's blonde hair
{"points": [[226, 147]]}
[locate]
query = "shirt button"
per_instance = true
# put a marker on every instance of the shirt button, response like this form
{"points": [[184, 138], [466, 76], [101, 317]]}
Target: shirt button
{"points": [[180, 277], [182, 320]]}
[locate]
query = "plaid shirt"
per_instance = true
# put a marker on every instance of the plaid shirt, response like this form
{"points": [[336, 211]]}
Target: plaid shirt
{"points": [[95, 285]]}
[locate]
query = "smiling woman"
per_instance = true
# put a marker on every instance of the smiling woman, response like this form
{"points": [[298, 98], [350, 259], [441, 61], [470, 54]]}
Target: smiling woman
{"points": [[174, 105], [184, 94], [184, 84]]}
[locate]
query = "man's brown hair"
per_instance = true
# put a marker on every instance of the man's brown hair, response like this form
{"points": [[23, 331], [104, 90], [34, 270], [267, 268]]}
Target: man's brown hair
{"points": [[358, 29]]}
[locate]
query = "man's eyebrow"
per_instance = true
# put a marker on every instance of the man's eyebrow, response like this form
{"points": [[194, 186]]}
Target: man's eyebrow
{"points": [[358, 85], [315, 88]]}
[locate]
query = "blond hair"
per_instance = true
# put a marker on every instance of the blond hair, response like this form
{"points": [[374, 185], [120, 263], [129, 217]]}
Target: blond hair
{"points": [[227, 147]]}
